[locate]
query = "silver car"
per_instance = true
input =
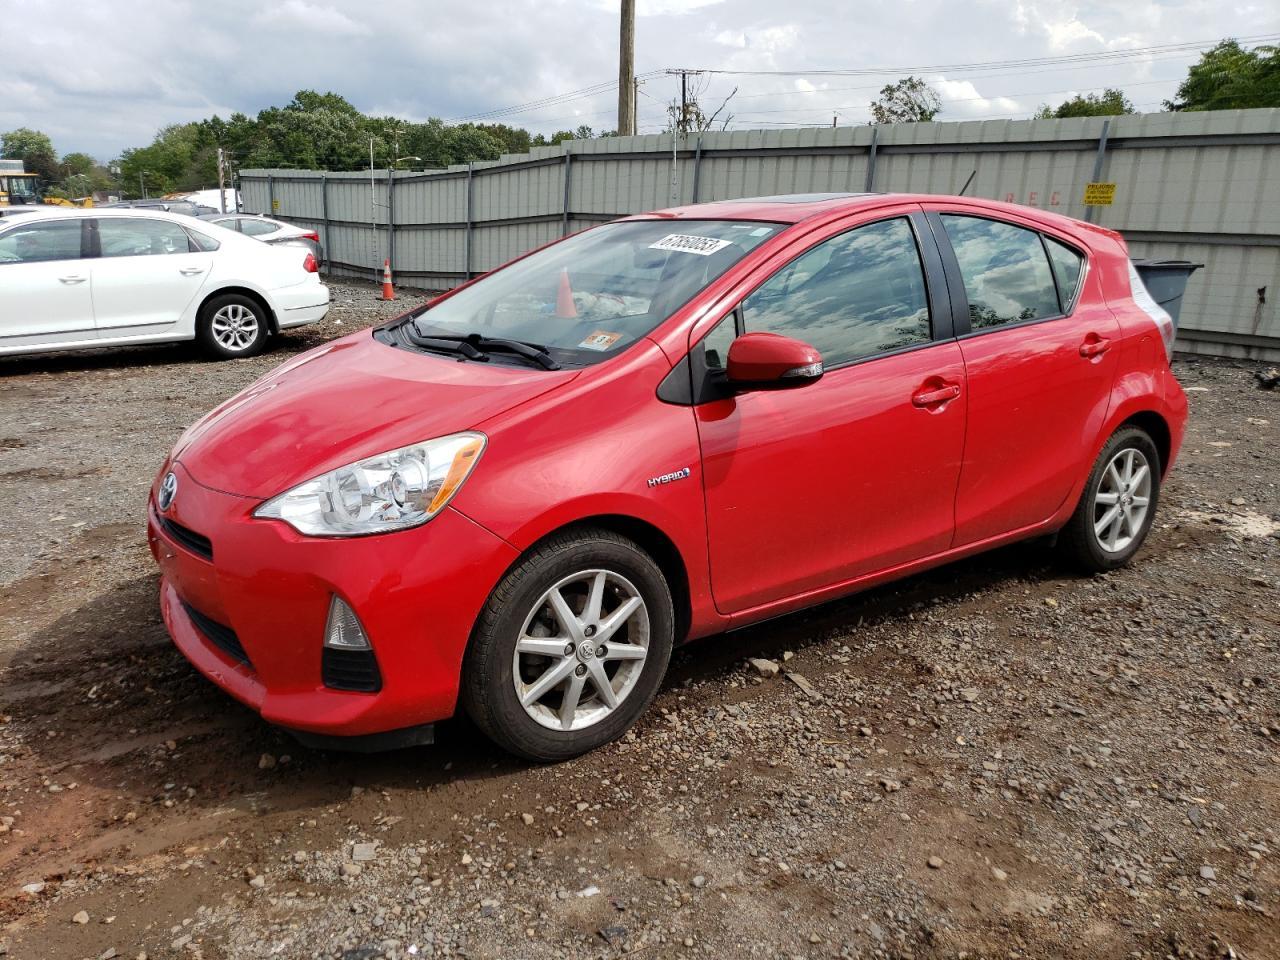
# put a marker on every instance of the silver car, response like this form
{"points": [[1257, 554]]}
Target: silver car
{"points": [[268, 230]]}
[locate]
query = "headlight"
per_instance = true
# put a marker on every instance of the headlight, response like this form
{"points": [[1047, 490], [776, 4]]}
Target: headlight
{"points": [[391, 491]]}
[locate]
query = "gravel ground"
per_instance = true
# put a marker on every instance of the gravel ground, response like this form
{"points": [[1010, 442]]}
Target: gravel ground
{"points": [[992, 759]]}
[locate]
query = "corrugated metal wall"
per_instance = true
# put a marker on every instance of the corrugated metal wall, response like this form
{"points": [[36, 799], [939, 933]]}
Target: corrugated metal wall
{"points": [[1195, 186]]}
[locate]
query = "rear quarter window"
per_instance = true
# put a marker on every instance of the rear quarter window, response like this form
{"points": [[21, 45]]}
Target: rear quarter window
{"points": [[1068, 268]]}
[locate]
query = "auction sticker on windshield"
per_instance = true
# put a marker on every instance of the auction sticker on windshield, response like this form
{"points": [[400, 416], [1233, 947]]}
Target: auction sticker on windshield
{"points": [[599, 340], [683, 243]]}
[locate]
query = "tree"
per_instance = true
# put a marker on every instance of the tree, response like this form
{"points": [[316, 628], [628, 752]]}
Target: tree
{"points": [[1228, 77], [910, 100], [34, 149], [1110, 103], [179, 158], [76, 164]]}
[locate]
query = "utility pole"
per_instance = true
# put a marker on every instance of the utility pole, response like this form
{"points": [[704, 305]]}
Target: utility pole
{"points": [[627, 70], [222, 192], [684, 101]]}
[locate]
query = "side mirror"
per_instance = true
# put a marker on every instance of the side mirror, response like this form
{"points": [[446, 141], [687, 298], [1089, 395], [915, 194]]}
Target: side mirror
{"points": [[764, 360]]}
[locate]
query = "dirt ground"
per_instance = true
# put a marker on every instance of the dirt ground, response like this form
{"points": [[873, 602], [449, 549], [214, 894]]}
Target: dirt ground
{"points": [[993, 759]]}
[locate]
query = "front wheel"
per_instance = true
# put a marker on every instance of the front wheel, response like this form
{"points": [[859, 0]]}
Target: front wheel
{"points": [[1118, 504], [232, 326], [571, 647]]}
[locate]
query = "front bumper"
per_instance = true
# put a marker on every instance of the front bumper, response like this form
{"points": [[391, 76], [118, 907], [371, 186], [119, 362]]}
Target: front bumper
{"points": [[417, 592]]}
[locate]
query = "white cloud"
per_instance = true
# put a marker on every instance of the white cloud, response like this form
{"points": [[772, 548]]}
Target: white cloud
{"points": [[961, 99], [102, 82], [300, 15]]}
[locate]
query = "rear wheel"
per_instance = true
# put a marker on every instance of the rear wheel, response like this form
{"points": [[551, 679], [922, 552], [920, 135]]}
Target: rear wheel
{"points": [[232, 325], [571, 647], [1118, 504]]}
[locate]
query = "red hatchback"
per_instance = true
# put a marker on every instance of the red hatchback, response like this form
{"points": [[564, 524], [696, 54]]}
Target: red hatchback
{"points": [[521, 496]]}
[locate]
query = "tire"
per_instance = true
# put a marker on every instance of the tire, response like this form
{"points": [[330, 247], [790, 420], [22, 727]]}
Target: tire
{"points": [[231, 326], [521, 608], [1094, 546]]}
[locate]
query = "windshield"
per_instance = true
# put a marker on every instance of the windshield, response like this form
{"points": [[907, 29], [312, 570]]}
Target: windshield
{"points": [[594, 294]]}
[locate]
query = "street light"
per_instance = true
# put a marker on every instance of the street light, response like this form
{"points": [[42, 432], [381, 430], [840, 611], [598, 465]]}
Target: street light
{"points": [[398, 159]]}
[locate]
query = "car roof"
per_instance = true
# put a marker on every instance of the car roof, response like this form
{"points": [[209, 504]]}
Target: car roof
{"points": [[798, 207], [150, 213]]}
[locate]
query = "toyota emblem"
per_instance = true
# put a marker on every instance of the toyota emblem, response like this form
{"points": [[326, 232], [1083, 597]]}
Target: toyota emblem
{"points": [[168, 490]]}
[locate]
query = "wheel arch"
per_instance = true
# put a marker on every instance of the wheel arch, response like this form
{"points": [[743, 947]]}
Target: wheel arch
{"points": [[273, 325], [1157, 428], [650, 538]]}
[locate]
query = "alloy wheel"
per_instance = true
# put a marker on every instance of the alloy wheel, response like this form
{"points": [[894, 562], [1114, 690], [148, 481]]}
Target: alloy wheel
{"points": [[1124, 496], [581, 650], [235, 327]]}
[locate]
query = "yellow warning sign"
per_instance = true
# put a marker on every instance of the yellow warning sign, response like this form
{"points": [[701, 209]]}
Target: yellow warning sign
{"points": [[1099, 194], [275, 204]]}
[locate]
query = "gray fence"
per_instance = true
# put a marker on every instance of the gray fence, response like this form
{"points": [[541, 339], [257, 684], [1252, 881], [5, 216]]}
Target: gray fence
{"points": [[1194, 186]]}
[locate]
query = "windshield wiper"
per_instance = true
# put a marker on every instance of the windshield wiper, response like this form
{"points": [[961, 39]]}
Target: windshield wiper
{"points": [[473, 346]]}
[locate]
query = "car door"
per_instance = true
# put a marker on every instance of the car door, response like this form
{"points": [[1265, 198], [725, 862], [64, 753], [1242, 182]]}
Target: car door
{"points": [[146, 274], [44, 282], [1036, 347], [810, 487]]}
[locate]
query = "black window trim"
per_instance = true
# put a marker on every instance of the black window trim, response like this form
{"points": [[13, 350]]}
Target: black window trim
{"points": [[955, 280]]}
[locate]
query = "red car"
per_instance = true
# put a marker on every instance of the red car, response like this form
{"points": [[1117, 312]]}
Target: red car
{"points": [[521, 496]]}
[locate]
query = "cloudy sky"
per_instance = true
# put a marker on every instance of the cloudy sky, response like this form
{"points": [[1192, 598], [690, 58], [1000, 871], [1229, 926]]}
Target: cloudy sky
{"points": [[100, 76]]}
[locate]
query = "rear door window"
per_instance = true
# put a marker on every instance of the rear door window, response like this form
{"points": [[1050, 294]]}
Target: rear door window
{"points": [[853, 296], [39, 242], [124, 237], [1006, 273]]}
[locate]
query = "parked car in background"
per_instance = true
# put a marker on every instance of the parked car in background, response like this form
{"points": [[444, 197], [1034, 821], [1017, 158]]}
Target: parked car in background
{"points": [[18, 210], [184, 207], [73, 279], [521, 496], [269, 230]]}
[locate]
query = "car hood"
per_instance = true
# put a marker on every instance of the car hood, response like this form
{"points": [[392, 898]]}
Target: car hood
{"points": [[347, 400]]}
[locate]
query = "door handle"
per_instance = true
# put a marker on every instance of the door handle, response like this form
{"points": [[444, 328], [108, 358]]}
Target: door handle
{"points": [[1094, 346], [190, 271], [72, 278], [931, 398]]}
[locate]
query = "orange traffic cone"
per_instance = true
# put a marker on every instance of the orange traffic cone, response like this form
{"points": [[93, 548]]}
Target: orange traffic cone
{"points": [[565, 308], [388, 292]]}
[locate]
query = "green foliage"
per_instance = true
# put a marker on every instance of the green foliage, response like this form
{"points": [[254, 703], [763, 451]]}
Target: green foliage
{"points": [[33, 148], [910, 100], [1228, 77], [317, 131], [79, 175], [1110, 103]]}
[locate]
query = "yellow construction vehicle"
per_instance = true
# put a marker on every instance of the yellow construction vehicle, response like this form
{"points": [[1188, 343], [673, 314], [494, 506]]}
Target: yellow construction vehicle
{"points": [[61, 202], [17, 186]]}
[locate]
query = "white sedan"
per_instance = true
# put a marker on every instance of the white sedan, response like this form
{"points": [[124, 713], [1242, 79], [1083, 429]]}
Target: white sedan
{"points": [[73, 279]]}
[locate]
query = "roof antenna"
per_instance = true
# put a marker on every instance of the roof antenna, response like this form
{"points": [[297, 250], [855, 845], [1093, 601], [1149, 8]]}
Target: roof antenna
{"points": [[967, 182]]}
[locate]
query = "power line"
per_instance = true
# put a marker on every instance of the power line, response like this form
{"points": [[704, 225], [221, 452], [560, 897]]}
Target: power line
{"points": [[993, 96], [553, 100], [966, 67], [868, 88]]}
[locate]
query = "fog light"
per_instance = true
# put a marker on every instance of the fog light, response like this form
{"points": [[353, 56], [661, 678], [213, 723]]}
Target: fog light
{"points": [[343, 631], [347, 661]]}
